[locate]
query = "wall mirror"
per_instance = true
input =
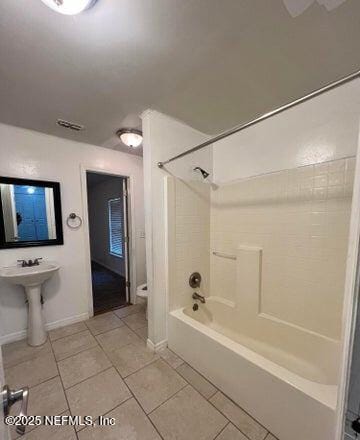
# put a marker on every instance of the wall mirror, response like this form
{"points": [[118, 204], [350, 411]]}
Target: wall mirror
{"points": [[30, 213]]}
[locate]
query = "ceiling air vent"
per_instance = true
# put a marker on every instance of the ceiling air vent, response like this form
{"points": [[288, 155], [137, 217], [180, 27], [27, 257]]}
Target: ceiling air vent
{"points": [[69, 125]]}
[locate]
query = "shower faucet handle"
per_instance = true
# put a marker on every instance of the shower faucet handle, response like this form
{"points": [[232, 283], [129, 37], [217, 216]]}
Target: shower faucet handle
{"points": [[195, 280]]}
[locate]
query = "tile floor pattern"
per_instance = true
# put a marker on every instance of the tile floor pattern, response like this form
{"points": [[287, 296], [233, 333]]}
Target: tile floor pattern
{"points": [[102, 367]]}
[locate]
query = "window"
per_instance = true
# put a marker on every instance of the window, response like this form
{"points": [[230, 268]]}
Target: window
{"points": [[116, 233]]}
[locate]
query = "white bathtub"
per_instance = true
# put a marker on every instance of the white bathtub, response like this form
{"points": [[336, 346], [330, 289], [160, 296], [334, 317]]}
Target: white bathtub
{"points": [[283, 376]]}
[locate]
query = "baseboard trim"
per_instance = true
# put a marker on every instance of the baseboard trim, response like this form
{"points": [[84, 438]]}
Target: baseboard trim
{"points": [[13, 337], [18, 336], [158, 346], [67, 321]]}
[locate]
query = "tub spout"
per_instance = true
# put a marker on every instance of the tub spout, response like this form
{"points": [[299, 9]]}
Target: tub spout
{"points": [[196, 296]]}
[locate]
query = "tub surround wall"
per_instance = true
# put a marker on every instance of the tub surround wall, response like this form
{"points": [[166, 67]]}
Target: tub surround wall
{"points": [[192, 236], [299, 219], [32, 155], [164, 137]]}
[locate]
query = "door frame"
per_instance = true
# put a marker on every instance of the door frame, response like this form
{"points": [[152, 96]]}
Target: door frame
{"points": [[131, 225]]}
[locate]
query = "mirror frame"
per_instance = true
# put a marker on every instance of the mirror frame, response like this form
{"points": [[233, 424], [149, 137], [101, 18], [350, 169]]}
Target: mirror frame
{"points": [[58, 215]]}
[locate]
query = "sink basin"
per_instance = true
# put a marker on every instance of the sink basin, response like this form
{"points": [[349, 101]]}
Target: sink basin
{"points": [[32, 278], [29, 276]]}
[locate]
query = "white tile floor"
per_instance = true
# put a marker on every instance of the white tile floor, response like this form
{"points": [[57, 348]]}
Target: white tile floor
{"points": [[102, 367]]}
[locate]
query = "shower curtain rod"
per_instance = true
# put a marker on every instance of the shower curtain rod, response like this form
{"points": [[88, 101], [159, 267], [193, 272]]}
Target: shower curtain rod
{"points": [[267, 115]]}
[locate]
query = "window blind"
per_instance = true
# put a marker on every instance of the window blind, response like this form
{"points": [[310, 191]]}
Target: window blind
{"points": [[116, 232]]}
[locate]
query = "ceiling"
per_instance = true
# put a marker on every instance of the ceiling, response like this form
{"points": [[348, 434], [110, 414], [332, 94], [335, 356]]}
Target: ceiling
{"points": [[210, 63]]}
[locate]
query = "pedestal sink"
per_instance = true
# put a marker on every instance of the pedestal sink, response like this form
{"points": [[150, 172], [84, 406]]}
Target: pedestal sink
{"points": [[32, 278]]}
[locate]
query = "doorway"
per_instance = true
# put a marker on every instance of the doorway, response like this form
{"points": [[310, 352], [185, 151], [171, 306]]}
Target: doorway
{"points": [[109, 240]]}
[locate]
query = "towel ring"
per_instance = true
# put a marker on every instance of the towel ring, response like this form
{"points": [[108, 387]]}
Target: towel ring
{"points": [[73, 216]]}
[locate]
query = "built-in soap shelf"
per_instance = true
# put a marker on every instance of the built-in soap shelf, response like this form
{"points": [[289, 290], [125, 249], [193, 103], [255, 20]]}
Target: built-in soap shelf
{"points": [[224, 255]]}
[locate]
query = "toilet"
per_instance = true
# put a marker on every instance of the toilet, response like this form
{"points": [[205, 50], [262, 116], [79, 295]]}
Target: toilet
{"points": [[142, 292]]}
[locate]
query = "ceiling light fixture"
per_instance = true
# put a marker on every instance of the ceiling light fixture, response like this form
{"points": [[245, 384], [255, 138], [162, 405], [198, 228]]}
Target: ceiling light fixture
{"points": [[69, 7], [130, 137]]}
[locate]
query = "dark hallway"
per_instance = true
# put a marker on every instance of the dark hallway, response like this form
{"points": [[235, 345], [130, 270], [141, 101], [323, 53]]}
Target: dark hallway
{"points": [[107, 231], [108, 289]]}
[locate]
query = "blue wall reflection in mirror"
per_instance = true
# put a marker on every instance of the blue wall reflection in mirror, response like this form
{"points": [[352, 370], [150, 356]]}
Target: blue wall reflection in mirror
{"points": [[31, 218]]}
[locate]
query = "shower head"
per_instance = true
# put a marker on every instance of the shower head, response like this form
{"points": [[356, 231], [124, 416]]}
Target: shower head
{"points": [[204, 173]]}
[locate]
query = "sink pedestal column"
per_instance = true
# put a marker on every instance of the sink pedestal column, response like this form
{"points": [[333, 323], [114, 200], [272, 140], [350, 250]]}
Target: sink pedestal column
{"points": [[36, 325]]}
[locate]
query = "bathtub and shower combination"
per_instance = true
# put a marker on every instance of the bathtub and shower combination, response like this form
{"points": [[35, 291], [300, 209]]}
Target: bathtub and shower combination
{"points": [[282, 374], [268, 230]]}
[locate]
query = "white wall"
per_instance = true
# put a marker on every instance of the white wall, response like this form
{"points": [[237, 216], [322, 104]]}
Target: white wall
{"points": [[163, 138], [29, 154], [322, 129], [99, 195]]}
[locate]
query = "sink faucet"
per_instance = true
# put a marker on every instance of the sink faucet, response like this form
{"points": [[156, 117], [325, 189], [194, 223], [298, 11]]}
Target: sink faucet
{"points": [[196, 296], [30, 263]]}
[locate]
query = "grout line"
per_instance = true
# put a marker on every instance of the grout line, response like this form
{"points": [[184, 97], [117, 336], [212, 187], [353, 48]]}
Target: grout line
{"points": [[112, 363], [46, 380], [40, 354], [66, 336], [173, 395], [97, 417], [62, 384], [139, 369], [121, 326], [146, 415], [217, 435], [127, 325], [106, 331], [207, 380], [119, 348], [242, 409], [148, 418], [90, 377], [83, 428], [171, 351], [43, 381], [156, 358], [72, 334], [104, 352], [226, 417], [81, 350], [74, 354]]}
